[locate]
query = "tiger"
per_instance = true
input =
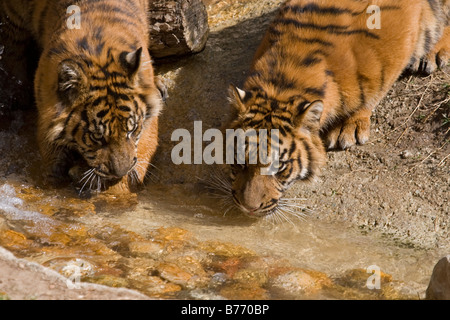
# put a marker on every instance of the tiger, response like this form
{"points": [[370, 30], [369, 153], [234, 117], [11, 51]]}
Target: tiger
{"points": [[98, 99], [317, 76]]}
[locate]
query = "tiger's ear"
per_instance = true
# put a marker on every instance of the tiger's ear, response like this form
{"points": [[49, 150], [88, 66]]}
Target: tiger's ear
{"points": [[131, 61], [238, 99], [71, 81], [308, 115]]}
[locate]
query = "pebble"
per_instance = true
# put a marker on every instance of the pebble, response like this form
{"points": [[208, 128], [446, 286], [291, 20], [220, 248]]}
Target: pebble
{"points": [[406, 154]]}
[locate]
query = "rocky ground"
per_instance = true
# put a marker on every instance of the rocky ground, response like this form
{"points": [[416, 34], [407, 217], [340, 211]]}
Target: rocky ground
{"points": [[398, 184]]}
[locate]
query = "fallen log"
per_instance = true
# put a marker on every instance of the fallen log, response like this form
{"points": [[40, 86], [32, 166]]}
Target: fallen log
{"points": [[177, 27]]}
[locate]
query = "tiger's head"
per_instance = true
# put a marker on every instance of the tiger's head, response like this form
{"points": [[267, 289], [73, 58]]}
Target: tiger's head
{"points": [[300, 149], [92, 112]]}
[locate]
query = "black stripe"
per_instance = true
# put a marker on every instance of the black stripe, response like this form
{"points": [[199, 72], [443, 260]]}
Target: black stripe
{"points": [[274, 105], [99, 48], [274, 32], [312, 58], [59, 49], [320, 92], [118, 96], [382, 78], [75, 129], [434, 5], [84, 117], [83, 44], [292, 148], [314, 8], [271, 204], [281, 81], [282, 131], [283, 153], [121, 85], [96, 88], [124, 108], [311, 61], [428, 41], [69, 117], [283, 118], [98, 101], [332, 29], [362, 98], [102, 113], [308, 151], [314, 41]]}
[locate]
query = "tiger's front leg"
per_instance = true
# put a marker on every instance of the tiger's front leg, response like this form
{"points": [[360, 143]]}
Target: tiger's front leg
{"points": [[355, 129]]}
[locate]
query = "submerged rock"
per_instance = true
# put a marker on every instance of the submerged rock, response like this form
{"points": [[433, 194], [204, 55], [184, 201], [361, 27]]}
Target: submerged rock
{"points": [[439, 288]]}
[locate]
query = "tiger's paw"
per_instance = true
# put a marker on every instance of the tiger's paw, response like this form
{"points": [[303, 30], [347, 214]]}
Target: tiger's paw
{"points": [[442, 58], [355, 130], [431, 62]]}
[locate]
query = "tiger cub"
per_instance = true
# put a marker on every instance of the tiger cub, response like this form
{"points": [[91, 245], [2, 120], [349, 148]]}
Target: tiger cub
{"points": [[316, 77], [95, 90]]}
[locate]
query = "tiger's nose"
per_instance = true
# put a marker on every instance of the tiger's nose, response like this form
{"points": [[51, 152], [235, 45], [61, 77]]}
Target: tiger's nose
{"points": [[120, 169]]}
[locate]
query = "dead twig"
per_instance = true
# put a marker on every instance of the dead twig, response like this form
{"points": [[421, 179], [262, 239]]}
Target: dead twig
{"points": [[429, 156], [441, 164], [439, 105]]}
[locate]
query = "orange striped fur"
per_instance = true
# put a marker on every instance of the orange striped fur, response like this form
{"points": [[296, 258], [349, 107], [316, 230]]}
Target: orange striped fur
{"points": [[95, 89], [318, 74]]}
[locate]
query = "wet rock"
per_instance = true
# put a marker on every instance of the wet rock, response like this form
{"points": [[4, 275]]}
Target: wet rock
{"points": [[353, 285], [143, 274], [228, 266], [302, 281], [150, 249], [240, 291], [172, 239], [173, 234], [225, 249], [157, 287], [14, 240], [3, 224], [252, 276], [109, 280], [54, 206], [439, 287], [218, 279], [173, 273]]}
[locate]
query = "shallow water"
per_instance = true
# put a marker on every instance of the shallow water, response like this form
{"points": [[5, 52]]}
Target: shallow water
{"points": [[131, 242]]}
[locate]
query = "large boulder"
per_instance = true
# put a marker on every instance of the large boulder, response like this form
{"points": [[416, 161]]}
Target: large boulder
{"points": [[439, 288]]}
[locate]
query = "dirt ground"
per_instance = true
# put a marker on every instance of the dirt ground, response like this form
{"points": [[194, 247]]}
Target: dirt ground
{"points": [[398, 184]]}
